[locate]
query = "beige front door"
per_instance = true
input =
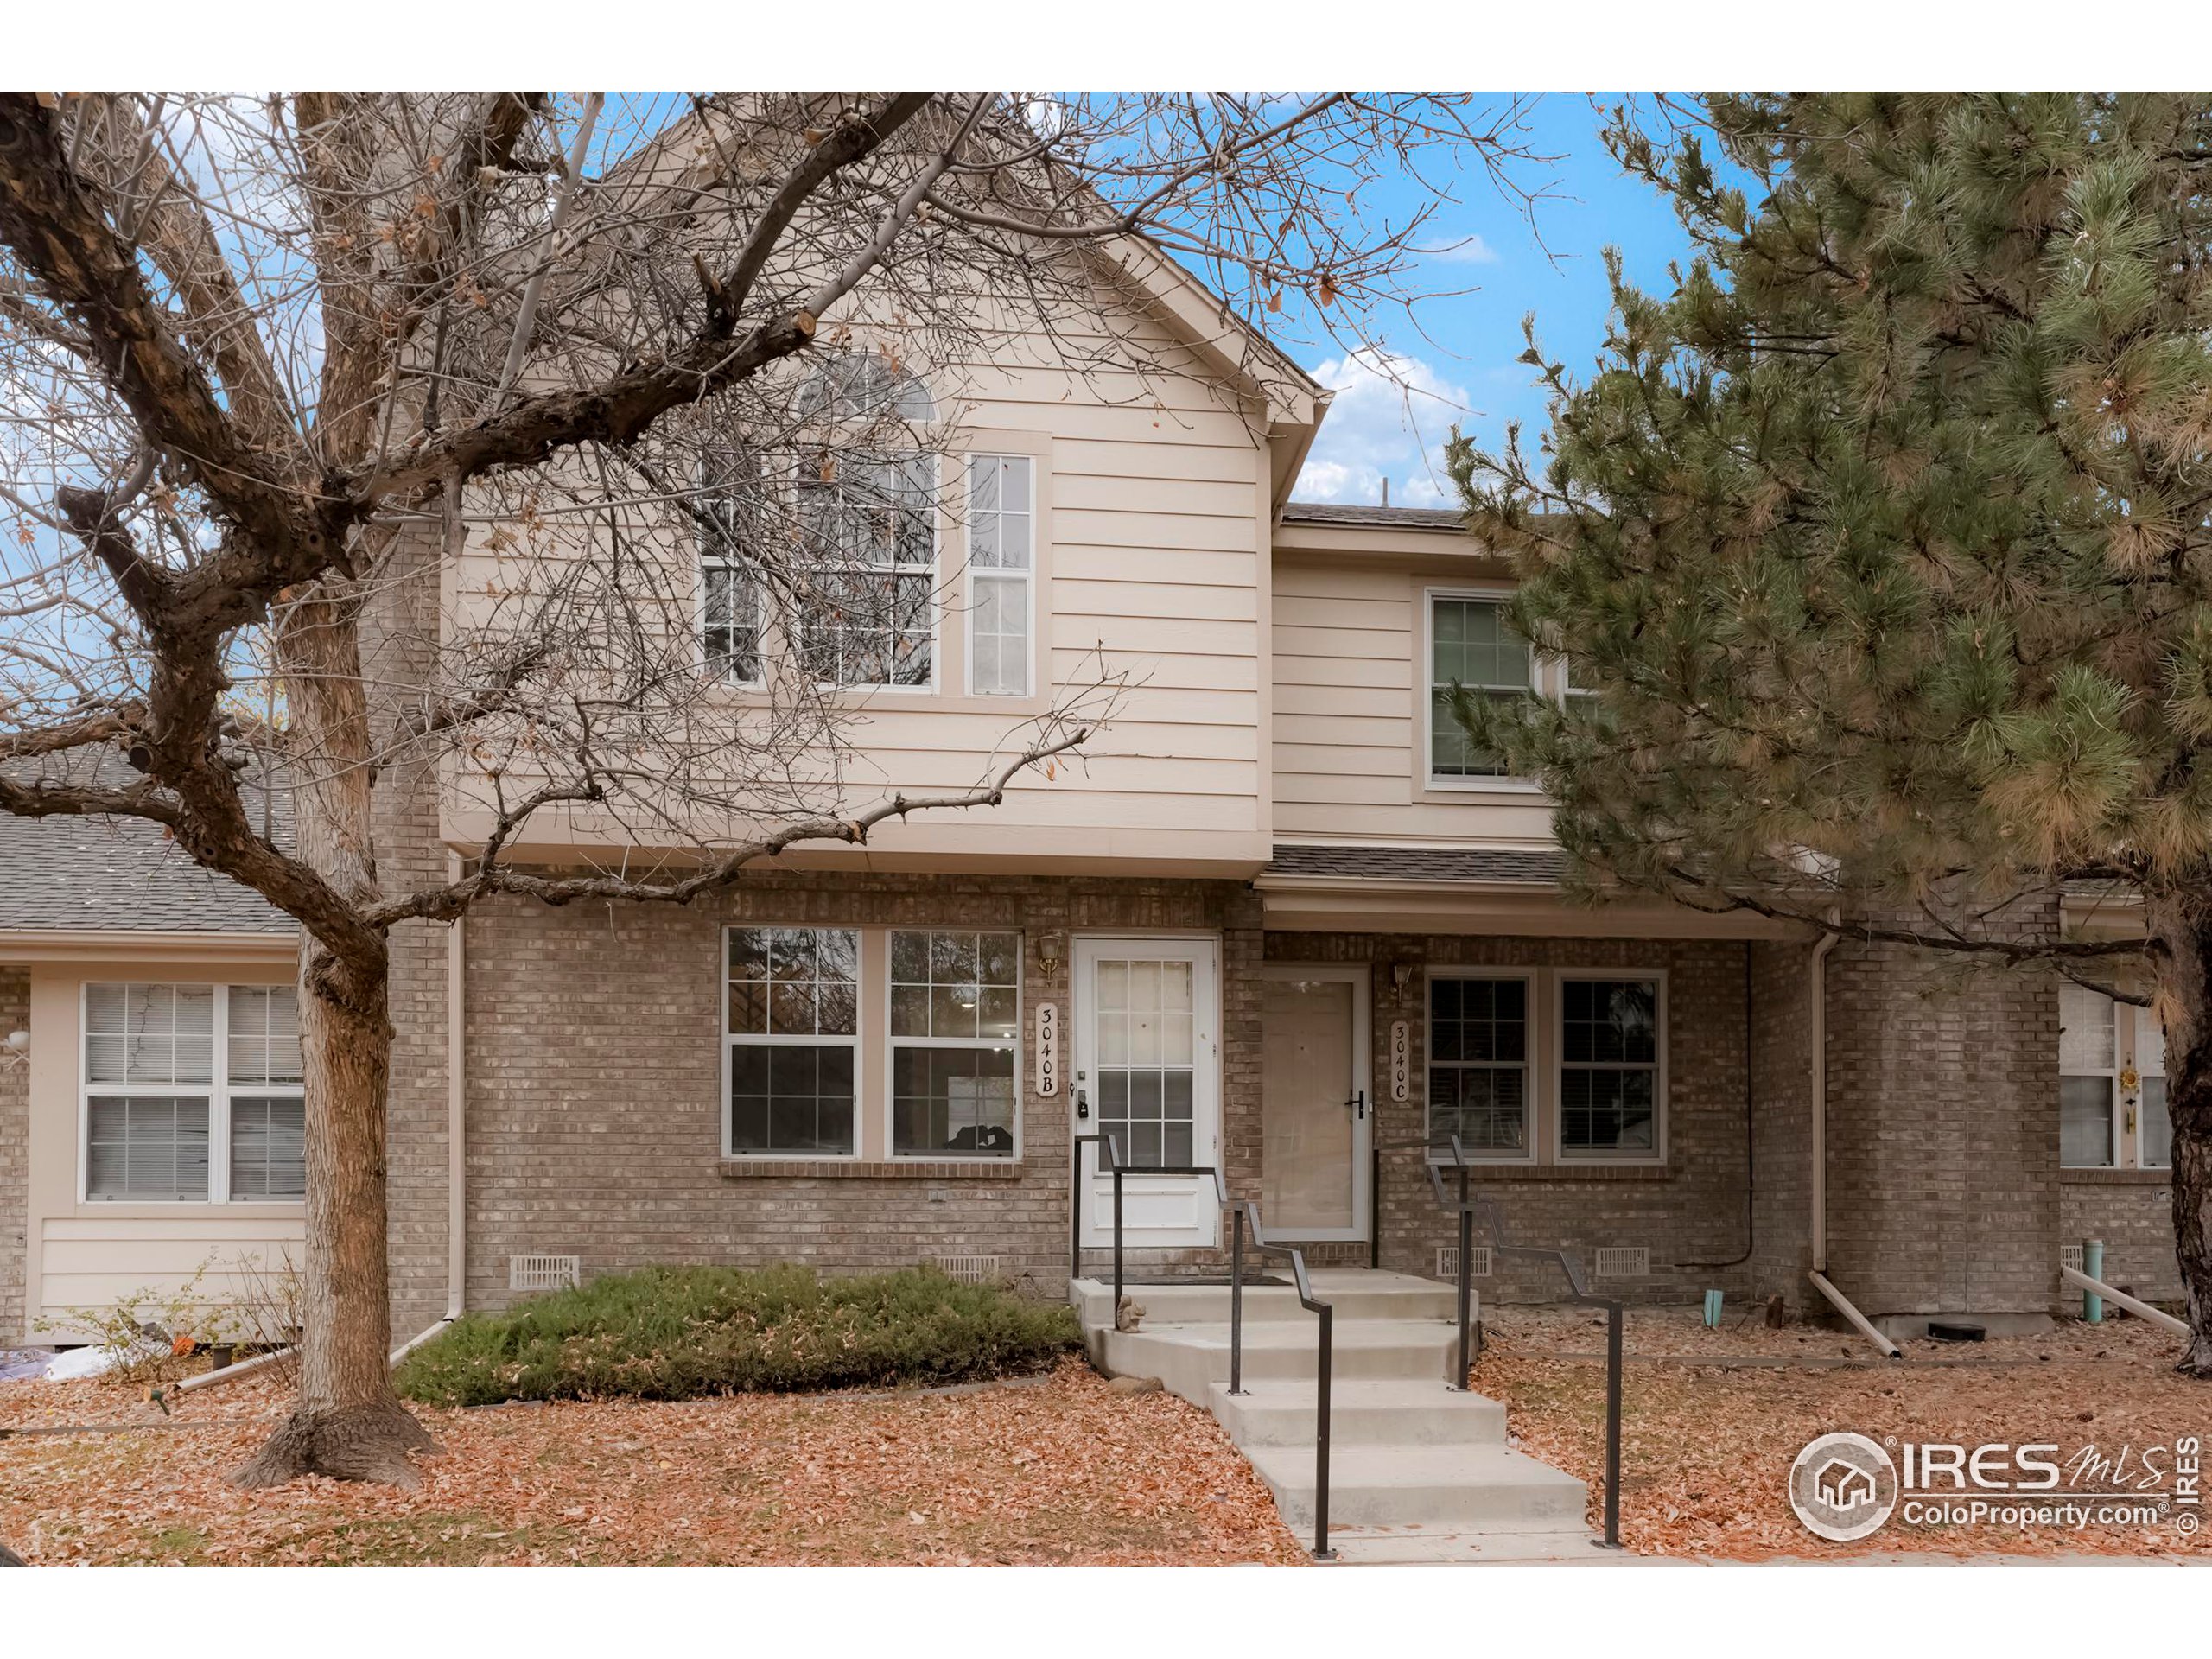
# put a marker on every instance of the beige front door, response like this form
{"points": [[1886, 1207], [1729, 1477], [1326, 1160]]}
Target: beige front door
{"points": [[1315, 1116]]}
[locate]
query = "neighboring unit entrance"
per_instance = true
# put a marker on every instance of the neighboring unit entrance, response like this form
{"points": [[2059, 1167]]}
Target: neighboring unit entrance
{"points": [[1315, 1116], [1148, 1071]]}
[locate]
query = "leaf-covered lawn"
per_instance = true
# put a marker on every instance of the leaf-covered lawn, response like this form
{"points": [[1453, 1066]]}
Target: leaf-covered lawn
{"points": [[1060, 1470], [1705, 1450]]}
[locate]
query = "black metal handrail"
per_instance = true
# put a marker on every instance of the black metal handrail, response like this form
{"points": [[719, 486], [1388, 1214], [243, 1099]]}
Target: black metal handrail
{"points": [[1324, 1357]]}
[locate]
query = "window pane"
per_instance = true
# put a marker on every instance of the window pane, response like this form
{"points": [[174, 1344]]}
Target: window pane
{"points": [[791, 1098], [147, 1149], [955, 984], [793, 982], [1470, 647], [954, 1102], [997, 632], [1478, 1074], [149, 1034], [264, 1039], [1608, 1020], [2085, 1029], [268, 1148], [869, 522], [2085, 1122], [1604, 1110], [2155, 1128]]}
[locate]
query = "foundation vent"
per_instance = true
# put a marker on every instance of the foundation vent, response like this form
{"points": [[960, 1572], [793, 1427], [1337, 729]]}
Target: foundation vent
{"points": [[972, 1269], [1447, 1261], [2069, 1256], [544, 1271], [1623, 1261]]}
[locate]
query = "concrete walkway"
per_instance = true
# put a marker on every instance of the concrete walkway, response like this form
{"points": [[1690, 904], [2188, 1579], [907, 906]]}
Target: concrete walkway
{"points": [[1418, 1472]]}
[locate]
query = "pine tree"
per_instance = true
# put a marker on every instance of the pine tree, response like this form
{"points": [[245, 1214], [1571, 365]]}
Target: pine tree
{"points": [[1886, 539]]}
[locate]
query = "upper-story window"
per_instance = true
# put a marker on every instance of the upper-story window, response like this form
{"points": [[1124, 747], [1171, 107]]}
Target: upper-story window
{"points": [[191, 1093], [1469, 645], [855, 571], [1001, 564], [2111, 1084]]}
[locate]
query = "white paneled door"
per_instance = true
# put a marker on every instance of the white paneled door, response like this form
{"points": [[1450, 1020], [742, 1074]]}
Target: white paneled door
{"points": [[1148, 1071]]}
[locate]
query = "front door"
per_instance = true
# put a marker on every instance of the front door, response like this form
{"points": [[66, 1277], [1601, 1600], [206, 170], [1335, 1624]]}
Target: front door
{"points": [[1148, 1071], [1315, 1119]]}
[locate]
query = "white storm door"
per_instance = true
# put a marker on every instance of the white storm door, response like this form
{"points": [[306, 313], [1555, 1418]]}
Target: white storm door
{"points": [[1315, 1115], [1148, 1071]]}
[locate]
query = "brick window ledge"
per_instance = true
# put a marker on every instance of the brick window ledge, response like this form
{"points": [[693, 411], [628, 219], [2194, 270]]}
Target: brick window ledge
{"points": [[1481, 1174], [854, 1169], [2115, 1177]]}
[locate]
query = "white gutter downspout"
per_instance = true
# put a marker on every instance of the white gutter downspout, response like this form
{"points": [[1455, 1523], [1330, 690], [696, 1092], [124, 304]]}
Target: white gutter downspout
{"points": [[1817, 981], [456, 1170]]}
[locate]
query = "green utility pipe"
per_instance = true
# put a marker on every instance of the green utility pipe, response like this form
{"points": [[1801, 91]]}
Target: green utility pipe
{"points": [[2092, 1264]]}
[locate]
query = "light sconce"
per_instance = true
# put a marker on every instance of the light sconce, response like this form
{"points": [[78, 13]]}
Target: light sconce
{"points": [[1402, 975], [1048, 951], [18, 1049]]}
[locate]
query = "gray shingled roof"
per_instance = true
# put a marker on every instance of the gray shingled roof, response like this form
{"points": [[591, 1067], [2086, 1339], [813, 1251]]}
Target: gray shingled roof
{"points": [[1334, 512], [1418, 863], [124, 874]]}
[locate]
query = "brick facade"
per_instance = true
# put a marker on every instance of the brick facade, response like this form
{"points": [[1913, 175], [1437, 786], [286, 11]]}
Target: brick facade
{"points": [[594, 1080], [2132, 1211]]}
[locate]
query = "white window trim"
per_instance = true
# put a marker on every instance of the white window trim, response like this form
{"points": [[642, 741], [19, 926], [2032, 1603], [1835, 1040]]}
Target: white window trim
{"points": [[219, 1090], [893, 1042], [1425, 688], [1531, 1062], [1558, 1067], [997, 573], [732, 1039]]}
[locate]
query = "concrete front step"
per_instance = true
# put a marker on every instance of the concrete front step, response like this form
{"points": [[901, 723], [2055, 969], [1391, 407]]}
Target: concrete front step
{"points": [[1189, 1359], [1464, 1488], [1354, 1293], [1361, 1412], [1449, 1546]]}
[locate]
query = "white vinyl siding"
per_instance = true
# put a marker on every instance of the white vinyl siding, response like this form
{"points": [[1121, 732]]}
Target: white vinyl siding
{"points": [[956, 1023], [191, 1094], [1001, 562]]}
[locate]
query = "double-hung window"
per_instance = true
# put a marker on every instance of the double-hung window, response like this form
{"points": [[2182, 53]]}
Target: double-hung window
{"points": [[869, 525], [792, 1029], [1470, 647], [955, 1019], [727, 526], [1479, 1064], [1001, 561], [191, 1093], [2089, 1078], [1608, 1066], [2155, 1125]]}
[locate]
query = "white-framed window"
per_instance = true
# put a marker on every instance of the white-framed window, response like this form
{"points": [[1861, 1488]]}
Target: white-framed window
{"points": [[2105, 1046], [191, 1094], [1480, 1028], [726, 528], [869, 525], [956, 1026], [1469, 645], [2089, 1078], [1001, 566], [791, 1026], [1610, 1037]]}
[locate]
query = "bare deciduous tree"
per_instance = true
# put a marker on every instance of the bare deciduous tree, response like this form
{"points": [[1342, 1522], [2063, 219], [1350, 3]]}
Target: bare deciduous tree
{"points": [[488, 437]]}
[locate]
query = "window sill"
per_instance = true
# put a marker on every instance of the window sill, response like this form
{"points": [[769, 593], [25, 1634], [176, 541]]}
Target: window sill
{"points": [[857, 1169], [2115, 1177]]}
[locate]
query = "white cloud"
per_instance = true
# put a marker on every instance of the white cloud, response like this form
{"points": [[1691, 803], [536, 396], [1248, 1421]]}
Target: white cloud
{"points": [[1468, 250], [1390, 418]]}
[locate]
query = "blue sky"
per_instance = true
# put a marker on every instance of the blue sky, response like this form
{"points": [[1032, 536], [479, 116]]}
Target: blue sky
{"points": [[1458, 357]]}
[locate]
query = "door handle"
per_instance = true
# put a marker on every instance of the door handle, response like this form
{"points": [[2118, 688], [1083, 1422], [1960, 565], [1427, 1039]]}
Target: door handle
{"points": [[1082, 1105], [1358, 1103]]}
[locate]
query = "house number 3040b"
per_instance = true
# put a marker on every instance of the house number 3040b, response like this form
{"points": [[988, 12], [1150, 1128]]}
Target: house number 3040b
{"points": [[1048, 1050]]}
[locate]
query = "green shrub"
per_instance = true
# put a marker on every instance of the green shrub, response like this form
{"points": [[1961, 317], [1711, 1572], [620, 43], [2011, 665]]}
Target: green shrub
{"points": [[679, 1334]]}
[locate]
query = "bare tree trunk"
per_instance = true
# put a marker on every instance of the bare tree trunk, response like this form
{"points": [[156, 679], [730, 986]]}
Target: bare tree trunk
{"points": [[2180, 929], [348, 1422]]}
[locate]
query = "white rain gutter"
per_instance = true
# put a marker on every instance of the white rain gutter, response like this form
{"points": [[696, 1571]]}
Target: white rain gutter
{"points": [[456, 1171], [1817, 986], [2080, 1280]]}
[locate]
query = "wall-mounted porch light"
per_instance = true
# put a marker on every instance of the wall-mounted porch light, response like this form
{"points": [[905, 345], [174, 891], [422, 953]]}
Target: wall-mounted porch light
{"points": [[1402, 975], [1048, 950]]}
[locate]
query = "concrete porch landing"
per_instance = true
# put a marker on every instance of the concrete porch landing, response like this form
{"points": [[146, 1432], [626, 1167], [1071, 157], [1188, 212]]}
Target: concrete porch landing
{"points": [[1418, 1472]]}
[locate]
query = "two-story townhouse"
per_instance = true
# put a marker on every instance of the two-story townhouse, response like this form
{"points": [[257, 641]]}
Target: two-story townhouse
{"points": [[1283, 920]]}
